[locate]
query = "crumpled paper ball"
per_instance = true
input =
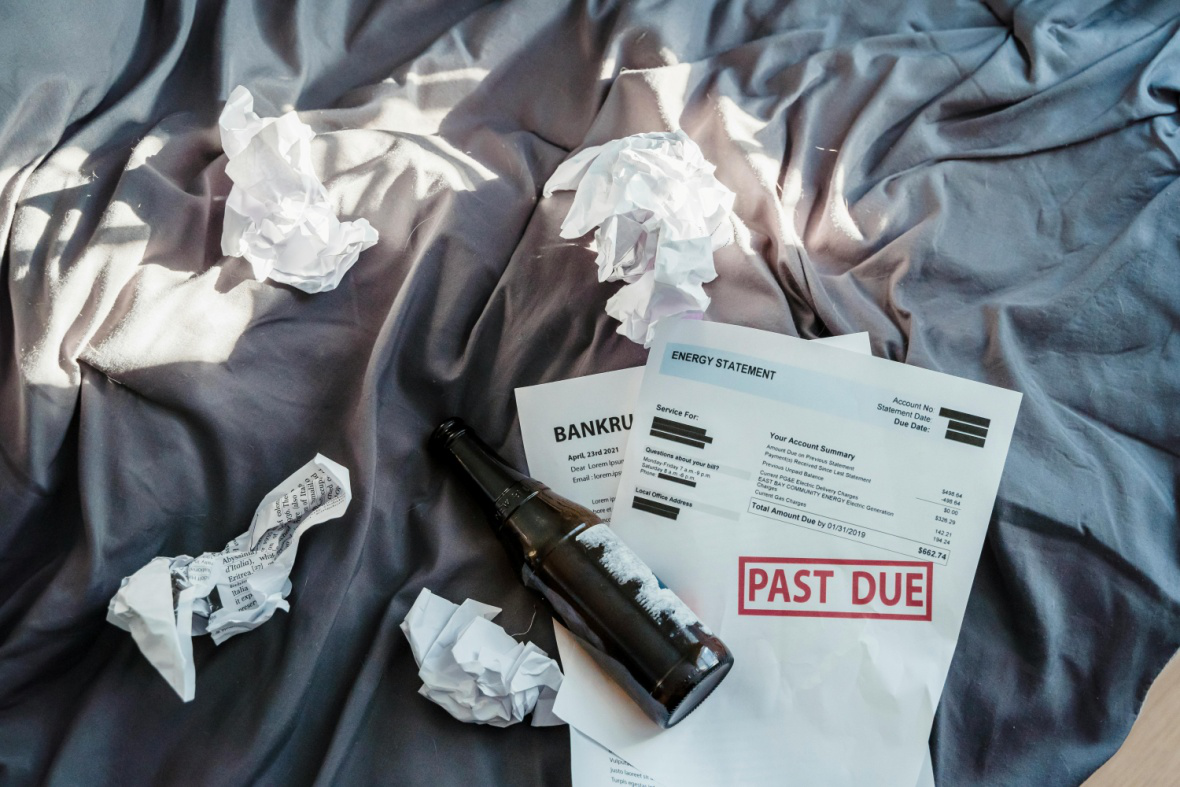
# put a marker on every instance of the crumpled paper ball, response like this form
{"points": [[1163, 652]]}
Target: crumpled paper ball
{"points": [[171, 599], [277, 214], [476, 670], [660, 214]]}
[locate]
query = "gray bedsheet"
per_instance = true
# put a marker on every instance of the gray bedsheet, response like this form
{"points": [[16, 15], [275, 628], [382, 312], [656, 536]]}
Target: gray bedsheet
{"points": [[990, 189]]}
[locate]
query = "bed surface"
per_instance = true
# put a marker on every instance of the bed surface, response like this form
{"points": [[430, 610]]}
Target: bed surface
{"points": [[990, 189]]}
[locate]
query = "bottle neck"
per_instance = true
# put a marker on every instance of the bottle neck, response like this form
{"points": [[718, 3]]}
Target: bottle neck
{"points": [[501, 488], [529, 517]]}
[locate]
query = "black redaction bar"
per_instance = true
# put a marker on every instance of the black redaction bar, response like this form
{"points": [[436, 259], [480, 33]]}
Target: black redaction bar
{"points": [[654, 507], [664, 425], [978, 431], [959, 437], [955, 415], [677, 479], [676, 438], [679, 433], [965, 427]]}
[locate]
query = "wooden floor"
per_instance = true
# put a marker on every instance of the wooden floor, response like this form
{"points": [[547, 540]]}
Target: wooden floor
{"points": [[1151, 754]]}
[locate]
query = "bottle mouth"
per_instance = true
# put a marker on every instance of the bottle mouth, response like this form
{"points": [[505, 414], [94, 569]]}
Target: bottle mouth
{"points": [[446, 433]]}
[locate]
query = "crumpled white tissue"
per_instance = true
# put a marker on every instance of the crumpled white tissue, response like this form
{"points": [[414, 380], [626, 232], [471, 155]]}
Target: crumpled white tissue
{"points": [[170, 600], [277, 215], [474, 669], [660, 214]]}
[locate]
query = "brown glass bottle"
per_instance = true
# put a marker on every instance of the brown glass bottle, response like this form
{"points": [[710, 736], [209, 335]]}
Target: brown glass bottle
{"points": [[638, 630]]}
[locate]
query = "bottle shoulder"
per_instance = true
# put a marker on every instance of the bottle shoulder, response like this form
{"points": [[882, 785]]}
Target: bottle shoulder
{"points": [[546, 521]]}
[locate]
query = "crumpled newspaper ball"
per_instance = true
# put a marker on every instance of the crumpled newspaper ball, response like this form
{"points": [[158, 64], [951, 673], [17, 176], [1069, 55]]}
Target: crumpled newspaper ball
{"points": [[277, 214], [660, 214], [173, 599]]}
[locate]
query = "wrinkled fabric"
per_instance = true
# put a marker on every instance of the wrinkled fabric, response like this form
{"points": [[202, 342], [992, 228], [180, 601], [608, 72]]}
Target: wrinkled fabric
{"points": [[989, 189]]}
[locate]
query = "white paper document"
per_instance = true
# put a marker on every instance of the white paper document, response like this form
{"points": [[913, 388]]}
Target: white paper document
{"points": [[575, 436], [575, 431], [823, 513], [474, 669], [170, 600]]}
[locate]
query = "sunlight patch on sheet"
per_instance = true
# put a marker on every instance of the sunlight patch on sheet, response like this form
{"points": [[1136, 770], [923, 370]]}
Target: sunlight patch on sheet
{"points": [[670, 87], [837, 208], [147, 147], [422, 101], [609, 63], [174, 318], [748, 132], [91, 281]]}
